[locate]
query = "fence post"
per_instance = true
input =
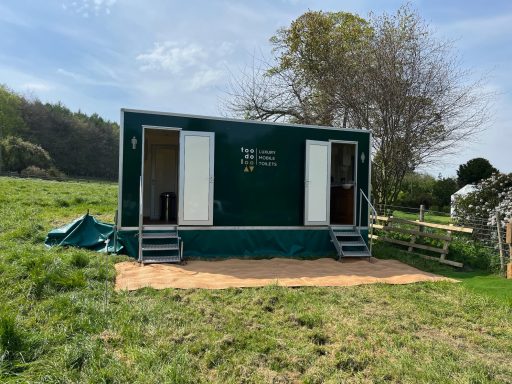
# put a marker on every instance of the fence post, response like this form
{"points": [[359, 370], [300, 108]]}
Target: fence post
{"points": [[508, 240], [500, 242], [422, 216]]}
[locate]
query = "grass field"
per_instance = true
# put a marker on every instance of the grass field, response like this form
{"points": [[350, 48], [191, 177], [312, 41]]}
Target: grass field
{"points": [[480, 282], [429, 217], [56, 328]]}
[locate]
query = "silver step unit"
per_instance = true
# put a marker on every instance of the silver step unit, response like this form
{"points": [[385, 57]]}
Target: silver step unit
{"points": [[349, 242], [160, 246]]}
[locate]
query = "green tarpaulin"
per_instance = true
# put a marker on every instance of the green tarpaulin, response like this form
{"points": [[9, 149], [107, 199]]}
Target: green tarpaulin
{"points": [[84, 232]]}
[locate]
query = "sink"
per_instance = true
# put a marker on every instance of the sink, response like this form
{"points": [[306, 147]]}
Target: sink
{"points": [[347, 185]]}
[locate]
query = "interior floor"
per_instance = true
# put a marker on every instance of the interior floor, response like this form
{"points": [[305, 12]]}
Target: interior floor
{"points": [[343, 184], [160, 187]]}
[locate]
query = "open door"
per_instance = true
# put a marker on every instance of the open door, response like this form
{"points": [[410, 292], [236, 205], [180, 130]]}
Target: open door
{"points": [[317, 183], [196, 178]]}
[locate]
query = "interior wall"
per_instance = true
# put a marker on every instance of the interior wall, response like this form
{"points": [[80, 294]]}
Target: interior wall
{"points": [[342, 183], [155, 137], [342, 163]]}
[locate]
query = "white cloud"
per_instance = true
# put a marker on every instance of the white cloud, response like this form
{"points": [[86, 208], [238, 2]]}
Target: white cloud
{"points": [[86, 7], [205, 78], [82, 79], [36, 87], [172, 56], [189, 64]]}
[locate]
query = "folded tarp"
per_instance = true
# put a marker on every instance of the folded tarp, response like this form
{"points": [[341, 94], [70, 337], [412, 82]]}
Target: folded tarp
{"points": [[85, 232]]}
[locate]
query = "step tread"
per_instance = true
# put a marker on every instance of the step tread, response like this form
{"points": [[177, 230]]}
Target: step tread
{"points": [[347, 234], [360, 243], [159, 235], [159, 247], [356, 254], [161, 259]]}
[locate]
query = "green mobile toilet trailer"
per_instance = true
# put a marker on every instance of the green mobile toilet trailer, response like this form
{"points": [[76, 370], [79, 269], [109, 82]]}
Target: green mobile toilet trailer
{"points": [[240, 188]]}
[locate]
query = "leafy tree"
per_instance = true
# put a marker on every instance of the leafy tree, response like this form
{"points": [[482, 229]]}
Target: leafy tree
{"points": [[11, 121], [388, 74], [442, 192], [416, 190], [18, 154], [80, 145], [308, 82], [474, 170]]}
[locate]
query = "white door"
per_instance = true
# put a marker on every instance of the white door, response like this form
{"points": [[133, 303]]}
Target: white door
{"points": [[317, 183], [196, 178]]}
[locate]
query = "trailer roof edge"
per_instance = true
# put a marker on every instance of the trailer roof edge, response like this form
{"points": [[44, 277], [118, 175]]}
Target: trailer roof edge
{"points": [[361, 130]]}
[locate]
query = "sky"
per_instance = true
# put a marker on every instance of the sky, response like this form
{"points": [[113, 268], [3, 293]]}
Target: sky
{"points": [[178, 56]]}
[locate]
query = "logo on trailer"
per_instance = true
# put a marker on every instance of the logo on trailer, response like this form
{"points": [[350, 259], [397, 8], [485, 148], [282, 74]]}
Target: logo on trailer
{"points": [[254, 157]]}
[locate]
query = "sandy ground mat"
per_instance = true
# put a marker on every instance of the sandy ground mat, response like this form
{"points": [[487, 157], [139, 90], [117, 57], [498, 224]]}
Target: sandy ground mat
{"points": [[257, 273]]}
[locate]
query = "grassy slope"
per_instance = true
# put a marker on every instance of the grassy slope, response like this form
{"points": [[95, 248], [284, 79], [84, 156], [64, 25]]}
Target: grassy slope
{"points": [[53, 326]]}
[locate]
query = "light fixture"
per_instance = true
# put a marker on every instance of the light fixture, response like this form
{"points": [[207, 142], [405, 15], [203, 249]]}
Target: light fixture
{"points": [[363, 157], [134, 142]]}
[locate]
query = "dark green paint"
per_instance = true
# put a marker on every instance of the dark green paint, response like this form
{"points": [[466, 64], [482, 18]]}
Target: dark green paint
{"points": [[272, 196], [216, 244]]}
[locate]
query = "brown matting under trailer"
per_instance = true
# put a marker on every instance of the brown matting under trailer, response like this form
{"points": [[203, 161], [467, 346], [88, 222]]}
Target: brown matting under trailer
{"points": [[258, 273]]}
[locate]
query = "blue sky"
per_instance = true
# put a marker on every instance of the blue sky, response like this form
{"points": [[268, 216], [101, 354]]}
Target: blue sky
{"points": [[102, 55]]}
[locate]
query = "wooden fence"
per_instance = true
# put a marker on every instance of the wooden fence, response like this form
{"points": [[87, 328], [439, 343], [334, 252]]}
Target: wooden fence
{"points": [[390, 225]]}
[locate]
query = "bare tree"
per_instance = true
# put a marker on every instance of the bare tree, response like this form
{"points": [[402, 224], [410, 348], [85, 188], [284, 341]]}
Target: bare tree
{"points": [[389, 75]]}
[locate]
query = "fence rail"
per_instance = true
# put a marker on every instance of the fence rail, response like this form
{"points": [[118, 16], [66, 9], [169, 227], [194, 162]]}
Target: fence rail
{"points": [[390, 228], [484, 230]]}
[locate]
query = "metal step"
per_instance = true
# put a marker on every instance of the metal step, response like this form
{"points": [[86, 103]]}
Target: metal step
{"points": [[159, 235], [159, 227], [161, 259], [359, 243], [356, 254], [159, 247], [346, 234]]}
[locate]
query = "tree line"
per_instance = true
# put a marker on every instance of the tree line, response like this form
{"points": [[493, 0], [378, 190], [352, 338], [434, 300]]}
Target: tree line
{"points": [[435, 193], [45, 139]]}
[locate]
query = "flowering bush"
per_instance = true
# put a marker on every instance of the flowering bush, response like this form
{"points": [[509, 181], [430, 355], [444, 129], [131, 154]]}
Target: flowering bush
{"points": [[478, 210], [494, 193]]}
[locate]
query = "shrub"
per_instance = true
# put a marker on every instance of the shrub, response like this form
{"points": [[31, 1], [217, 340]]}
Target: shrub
{"points": [[18, 154], [494, 193], [33, 171], [473, 254]]}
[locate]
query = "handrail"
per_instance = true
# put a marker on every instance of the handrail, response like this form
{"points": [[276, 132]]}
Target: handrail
{"points": [[140, 220], [370, 220]]}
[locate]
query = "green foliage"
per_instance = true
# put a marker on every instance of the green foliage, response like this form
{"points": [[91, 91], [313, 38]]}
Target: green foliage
{"points": [[33, 171], [78, 144], [474, 171], [494, 193], [474, 254], [18, 155], [11, 121], [442, 193], [416, 190]]}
